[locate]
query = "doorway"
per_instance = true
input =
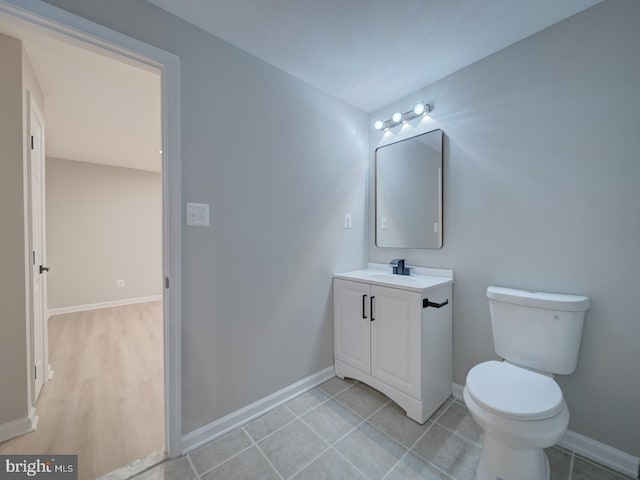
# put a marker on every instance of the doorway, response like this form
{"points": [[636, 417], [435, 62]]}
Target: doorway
{"points": [[37, 243], [53, 21]]}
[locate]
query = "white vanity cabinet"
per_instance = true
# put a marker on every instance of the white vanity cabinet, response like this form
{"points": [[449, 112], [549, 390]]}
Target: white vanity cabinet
{"points": [[389, 334]]}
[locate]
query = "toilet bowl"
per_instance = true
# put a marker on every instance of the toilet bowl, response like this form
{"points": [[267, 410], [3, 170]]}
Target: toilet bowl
{"points": [[522, 413], [516, 401]]}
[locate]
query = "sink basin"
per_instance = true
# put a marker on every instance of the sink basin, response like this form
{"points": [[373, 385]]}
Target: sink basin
{"points": [[391, 276]]}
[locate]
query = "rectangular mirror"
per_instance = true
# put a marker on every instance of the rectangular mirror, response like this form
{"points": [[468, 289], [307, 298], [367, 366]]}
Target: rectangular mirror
{"points": [[409, 192]]}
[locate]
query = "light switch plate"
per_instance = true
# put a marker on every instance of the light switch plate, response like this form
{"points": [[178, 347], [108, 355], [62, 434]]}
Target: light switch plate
{"points": [[197, 214], [347, 221]]}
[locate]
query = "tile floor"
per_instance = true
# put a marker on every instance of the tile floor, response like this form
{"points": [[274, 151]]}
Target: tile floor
{"points": [[345, 430]]}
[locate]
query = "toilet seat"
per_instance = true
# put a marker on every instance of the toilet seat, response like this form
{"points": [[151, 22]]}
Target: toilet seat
{"points": [[514, 392]]}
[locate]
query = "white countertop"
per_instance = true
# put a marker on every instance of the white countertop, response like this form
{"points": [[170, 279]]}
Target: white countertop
{"points": [[423, 280]]}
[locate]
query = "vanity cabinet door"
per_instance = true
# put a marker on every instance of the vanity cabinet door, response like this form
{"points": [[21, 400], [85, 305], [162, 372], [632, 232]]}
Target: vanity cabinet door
{"points": [[396, 339], [352, 337]]}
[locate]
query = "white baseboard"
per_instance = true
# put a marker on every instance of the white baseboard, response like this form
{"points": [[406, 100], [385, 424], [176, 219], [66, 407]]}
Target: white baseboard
{"points": [[217, 428], [457, 392], [589, 448], [601, 453], [19, 426], [97, 306]]}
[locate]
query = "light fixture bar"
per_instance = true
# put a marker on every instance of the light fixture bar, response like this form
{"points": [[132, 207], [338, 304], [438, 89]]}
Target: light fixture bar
{"points": [[421, 109]]}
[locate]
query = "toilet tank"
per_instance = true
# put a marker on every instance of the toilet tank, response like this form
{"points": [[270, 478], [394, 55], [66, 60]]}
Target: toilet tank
{"points": [[537, 330]]}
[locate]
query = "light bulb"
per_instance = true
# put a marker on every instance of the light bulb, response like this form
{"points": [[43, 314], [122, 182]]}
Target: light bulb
{"points": [[419, 108], [378, 125], [397, 117]]}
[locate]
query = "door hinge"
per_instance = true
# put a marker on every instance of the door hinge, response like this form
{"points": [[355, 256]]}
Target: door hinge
{"points": [[31, 142], [166, 282]]}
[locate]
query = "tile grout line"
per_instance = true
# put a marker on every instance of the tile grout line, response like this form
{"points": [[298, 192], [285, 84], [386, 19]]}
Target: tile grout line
{"points": [[309, 462], [207, 471], [329, 397], [193, 467], [349, 462], [255, 443], [457, 434], [298, 417], [435, 421], [269, 462], [364, 420], [600, 466], [331, 445], [355, 382], [449, 400], [573, 456], [410, 450]]}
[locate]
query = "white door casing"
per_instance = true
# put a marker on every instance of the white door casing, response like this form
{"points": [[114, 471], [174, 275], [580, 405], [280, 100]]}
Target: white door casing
{"points": [[37, 277], [82, 32]]}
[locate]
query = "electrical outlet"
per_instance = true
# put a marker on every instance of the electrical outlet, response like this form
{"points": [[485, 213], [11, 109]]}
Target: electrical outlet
{"points": [[347, 220], [120, 283]]}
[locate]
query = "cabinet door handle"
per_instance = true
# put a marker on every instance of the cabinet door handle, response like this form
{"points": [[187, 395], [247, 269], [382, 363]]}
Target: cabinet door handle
{"points": [[364, 306], [371, 308]]}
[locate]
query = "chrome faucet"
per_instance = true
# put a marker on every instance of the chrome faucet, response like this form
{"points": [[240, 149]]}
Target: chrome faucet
{"points": [[399, 268]]}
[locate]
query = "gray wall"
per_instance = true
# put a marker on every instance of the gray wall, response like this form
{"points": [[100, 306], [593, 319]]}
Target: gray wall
{"points": [[16, 77], [542, 192], [280, 163], [104, 223], [13, 333]]}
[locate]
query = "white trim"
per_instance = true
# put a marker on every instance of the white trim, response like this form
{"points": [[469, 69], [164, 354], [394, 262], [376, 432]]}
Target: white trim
{"points": [[217, 428], [99, 305], [136, 467], [601, 453], [55, 21], [589, 448], [19, 426], [457, 391]]}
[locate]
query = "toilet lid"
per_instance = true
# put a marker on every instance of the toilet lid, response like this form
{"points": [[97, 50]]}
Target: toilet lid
{"points": [[514, 392]]}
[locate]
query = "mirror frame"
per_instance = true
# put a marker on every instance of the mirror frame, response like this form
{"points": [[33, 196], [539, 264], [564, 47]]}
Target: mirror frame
{"points": [[440, 193]]}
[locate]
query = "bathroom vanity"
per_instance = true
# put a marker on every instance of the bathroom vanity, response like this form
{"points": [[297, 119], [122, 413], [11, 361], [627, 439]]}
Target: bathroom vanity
{"points": [[394, 333]]}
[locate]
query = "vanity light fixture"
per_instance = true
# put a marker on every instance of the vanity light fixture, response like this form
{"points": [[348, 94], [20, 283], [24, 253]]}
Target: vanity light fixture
{"points": [[419, 110]]}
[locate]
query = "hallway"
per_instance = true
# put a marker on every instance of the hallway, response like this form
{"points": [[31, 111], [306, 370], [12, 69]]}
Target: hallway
{"points": [[105, 401]]}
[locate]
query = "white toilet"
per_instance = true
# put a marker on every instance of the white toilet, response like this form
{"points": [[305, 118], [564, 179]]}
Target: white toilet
{"points": [[516, 401]]}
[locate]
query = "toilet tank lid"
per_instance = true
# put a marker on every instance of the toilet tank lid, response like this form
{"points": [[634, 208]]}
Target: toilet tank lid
{"points": [[550, 301]]}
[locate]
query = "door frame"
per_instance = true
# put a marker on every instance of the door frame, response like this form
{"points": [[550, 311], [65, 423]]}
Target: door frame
{"points": [[49, 19]]}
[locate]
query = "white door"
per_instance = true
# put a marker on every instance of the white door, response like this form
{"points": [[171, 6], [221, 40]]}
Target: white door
{"points": [[396, 339], [38, 268], [352, 340]]}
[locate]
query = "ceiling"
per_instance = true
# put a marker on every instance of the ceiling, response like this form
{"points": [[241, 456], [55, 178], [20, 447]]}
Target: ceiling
{"points": [[372, 52], [366, 52], [97, 109]]}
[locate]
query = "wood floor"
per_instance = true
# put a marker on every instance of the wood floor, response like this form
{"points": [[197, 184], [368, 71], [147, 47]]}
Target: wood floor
{"points": [[105, 402]]}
